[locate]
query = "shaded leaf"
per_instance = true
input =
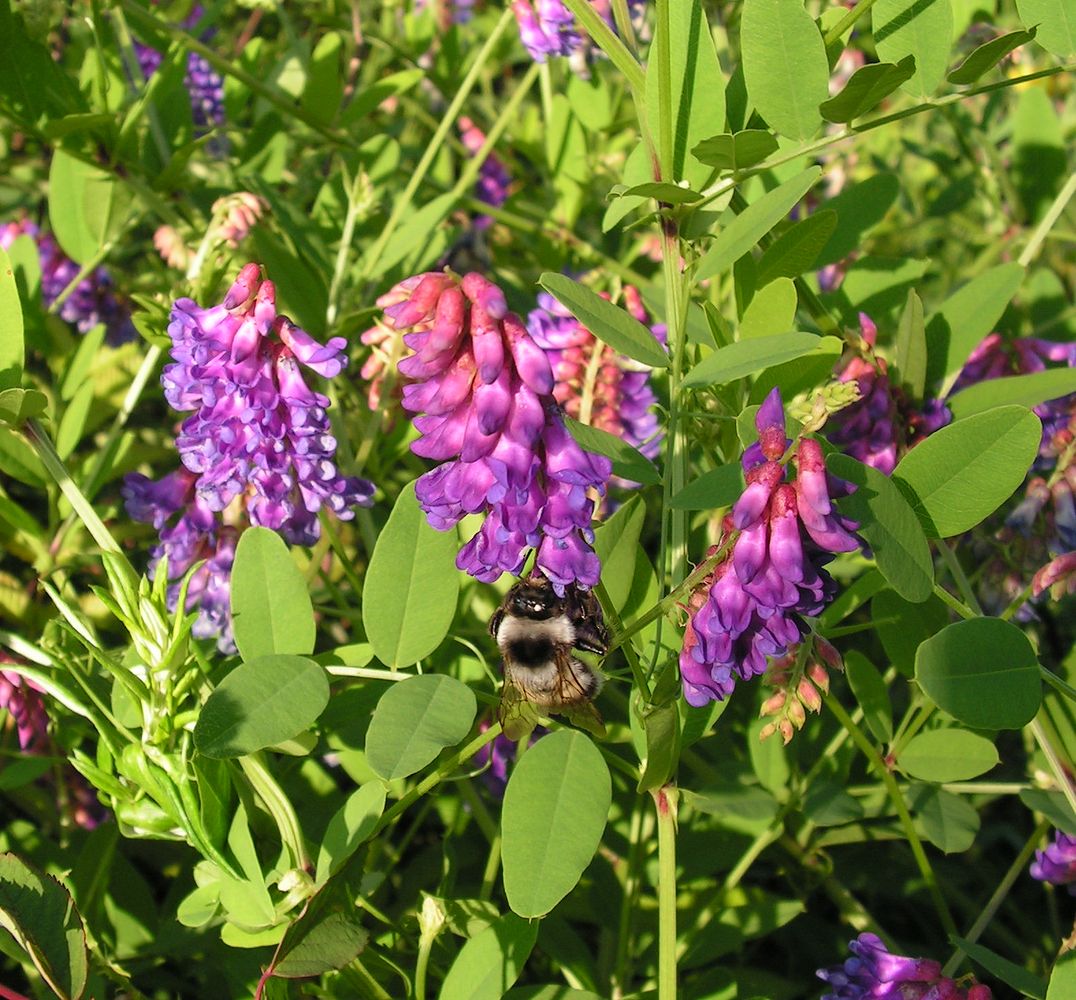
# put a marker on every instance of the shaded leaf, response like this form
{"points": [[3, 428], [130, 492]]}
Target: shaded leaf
{"points": [[616, 541], [859, 208], [923, 29], [671, 194], [628, 462], [415, 720], [1024, 390], [868, 87], [719, 487], [489, 964], [941, 755], [261, 702], [1012, 974], [911, 348], [320, 947], [736, 151], [946, 820], [871, 693], [988, 55], [797, 248], [983, 672], [352, 823], [749, 356]]}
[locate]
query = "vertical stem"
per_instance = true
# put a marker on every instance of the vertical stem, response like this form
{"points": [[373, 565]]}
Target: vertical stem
{"points": [[403, 203], [864, 744], [279, 806], [1048, 221], [665, 108], [1061, 774], [665, 799]]}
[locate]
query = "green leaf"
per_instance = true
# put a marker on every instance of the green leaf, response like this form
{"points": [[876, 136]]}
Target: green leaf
{"points": [[910, 362], [964, 318], [628, 462], [1023, 390], [19, 405], [671, 194], [744, 809], [415, 231], [374, 94], [1062, 979], [550, 992], [261, 702], [616, 541], [719, 487], [923, 30], [754, 222], [352, 824], [785, 65], [1012, 974], [490, 963], [964, 472], [38, 913], [698, 89], [1056, 26], [946, 820], [12, 347], [988, 55], [560, 786], [325, 80], [661, 727], [414, 721], [73, 420], [859, 208], [772, 310], [902, 626], [983, 672], [88, 352], [749, 356], [637, 169], [736, 151], [19, 460], [941, 755], [890, 527], [867, 88], [769, 761], [871, 693], [312, 949], [86, 206], [1053, 805], [271, 608], [411, 588], [797, 248], [609, 323]]}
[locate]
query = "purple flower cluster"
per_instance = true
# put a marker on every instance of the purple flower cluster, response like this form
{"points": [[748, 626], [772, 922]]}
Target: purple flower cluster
{"points": [[203, 83], [258, 447], [482, 391], [493, 177], [996, 357], [1056, 863], [873, 973], [751, 606], [24, 704], [616, 389], [92, 301], [548, 29]]}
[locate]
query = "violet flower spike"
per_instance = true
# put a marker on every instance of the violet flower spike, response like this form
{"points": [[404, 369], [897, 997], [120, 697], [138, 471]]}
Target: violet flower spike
{"points": [[752, 606], [481, 398]]}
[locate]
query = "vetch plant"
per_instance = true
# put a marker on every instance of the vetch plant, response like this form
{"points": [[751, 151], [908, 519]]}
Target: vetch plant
{"points": [[715, 360]]}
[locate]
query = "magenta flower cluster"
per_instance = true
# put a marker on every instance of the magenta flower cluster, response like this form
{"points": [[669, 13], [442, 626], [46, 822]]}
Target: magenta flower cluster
{"points": [[619, 392], [92, 301], [481, 389], [752, 605], [258, 439], [874, 973]]}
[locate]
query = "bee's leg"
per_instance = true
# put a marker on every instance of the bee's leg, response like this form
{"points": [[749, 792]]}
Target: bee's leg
{"points": [[495, 622], [591, 637]]}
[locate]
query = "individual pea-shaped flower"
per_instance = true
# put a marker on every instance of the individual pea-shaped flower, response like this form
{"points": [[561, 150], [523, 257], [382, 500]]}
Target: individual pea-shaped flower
{"points": [[257, 449], [874, 973], [22, 701], [481, 391], [776, 542], [1056, 863], [548, 29]]}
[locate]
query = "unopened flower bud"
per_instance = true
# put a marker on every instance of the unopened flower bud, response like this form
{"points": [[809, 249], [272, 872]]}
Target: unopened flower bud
{"points": [[773, 704], [818, 674], [796, 713], [767, 731], [829, 653], [787, 732], [808, 695]]}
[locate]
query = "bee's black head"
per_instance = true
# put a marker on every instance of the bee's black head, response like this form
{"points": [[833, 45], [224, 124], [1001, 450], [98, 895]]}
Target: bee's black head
{"points": [[533, 599]]}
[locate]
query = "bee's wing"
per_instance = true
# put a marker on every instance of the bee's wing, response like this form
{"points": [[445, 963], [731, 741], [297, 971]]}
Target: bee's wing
{"points": [[574, 694], [516, 714]]}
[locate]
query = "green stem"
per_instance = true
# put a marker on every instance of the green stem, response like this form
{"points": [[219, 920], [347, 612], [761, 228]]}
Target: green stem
{"points": [[1052, 215], [346, 236], [613, 618], [952, 563], [1061, 775], [664, 70], [624, 27], [279, 807], [1054, 681], [1016, 869], [834, 34], [621, 976], [665, 800], [403, 202], [872, 755], [607, 40], [954, 603]]}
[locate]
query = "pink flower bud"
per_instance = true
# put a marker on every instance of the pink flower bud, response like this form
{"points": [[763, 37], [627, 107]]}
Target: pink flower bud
{"points": [[808, 695]]}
